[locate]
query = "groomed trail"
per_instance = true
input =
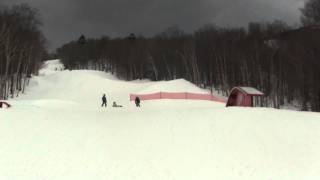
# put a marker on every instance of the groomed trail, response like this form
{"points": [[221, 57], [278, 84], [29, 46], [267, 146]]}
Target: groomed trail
{"points": [[58, 131]]}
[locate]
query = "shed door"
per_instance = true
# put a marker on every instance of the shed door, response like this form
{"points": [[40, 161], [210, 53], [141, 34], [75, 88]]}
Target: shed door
{"points": [[240, 99], [248, 101]]}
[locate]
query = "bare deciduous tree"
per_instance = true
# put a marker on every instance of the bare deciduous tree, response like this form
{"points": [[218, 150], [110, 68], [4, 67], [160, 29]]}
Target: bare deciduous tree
{"points": [[311, 13]]}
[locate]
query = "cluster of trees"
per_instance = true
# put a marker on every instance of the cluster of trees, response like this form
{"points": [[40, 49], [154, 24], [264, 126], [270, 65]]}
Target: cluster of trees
{"points": [[311, 13], [22, 47], [281, 61]]}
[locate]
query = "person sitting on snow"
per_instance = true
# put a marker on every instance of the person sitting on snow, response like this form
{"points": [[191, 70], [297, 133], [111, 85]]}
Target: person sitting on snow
{"points": [[115, 104]]}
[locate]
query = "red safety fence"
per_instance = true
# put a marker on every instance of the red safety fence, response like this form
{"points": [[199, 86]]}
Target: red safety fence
{"points": [[182, 95]]}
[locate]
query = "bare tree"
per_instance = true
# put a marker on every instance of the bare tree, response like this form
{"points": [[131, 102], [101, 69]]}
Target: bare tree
{"points": [[311, 13], [22, 46]]}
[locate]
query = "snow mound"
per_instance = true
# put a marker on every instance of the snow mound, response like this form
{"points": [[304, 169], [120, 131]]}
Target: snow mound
{"points": [[179, 85], [86, 87]]}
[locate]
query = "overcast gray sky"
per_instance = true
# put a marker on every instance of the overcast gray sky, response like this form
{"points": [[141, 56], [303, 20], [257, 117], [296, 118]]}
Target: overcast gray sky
{"points": [[65, 20]]}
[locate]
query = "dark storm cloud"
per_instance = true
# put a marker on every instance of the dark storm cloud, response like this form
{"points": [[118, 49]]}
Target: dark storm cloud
{"points": [[67, 19]]}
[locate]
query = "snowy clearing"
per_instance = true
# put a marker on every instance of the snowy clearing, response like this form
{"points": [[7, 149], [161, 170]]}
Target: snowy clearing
{"points": [[58, 131]]}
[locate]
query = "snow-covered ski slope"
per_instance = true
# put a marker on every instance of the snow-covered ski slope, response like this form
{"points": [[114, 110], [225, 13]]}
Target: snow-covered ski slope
{"points": [[57, 131]]}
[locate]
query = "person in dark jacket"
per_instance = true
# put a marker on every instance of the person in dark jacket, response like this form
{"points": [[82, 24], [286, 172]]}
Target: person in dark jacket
{"points": [[104, 100], [137, 101]]}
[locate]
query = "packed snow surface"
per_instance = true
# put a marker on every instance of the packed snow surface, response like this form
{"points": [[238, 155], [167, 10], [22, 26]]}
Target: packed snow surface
{"points": [[58, 131]]}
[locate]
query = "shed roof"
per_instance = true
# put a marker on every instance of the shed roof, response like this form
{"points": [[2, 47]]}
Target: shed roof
{"points": [[251, 91]]}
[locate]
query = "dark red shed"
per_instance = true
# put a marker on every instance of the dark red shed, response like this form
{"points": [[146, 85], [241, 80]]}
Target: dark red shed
{"points": [[243, 96]]}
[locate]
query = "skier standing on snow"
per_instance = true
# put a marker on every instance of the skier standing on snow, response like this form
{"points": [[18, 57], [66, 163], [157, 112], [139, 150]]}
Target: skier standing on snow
{"points": [[137, 101], [104, 100]]}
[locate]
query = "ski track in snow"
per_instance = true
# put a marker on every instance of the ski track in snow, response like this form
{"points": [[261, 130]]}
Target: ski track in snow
{"points": [[58, 131]]}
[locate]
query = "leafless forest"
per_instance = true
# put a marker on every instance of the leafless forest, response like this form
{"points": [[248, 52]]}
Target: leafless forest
{"points": [[22, 47], [281, 60]]}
